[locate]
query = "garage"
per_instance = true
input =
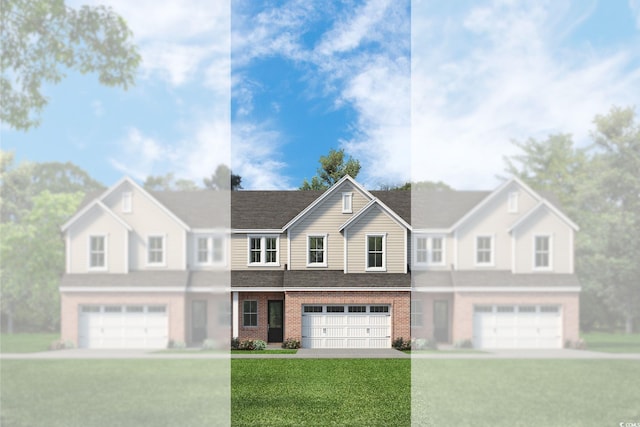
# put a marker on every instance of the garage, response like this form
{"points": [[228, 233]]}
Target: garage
{"points": [[517, 326], [122, 326], [346, 326]]}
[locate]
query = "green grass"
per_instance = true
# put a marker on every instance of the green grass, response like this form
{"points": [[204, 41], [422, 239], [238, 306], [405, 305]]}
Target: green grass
{"points": [[26, 343], [274, 351], [321, 392], [612, 343], [525, 392]]}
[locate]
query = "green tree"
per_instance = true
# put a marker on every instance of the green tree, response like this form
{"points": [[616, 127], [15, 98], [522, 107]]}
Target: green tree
{"points": [[43, 38], [168, 182], [223, 179], [418, 186], [332, 168], [32, 262]]}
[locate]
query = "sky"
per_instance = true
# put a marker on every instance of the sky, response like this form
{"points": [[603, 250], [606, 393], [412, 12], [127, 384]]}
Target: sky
{"points": [[415, 90]]}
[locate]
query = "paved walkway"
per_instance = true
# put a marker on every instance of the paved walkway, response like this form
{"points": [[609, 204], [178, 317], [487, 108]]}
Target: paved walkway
{"points": [[319, 354]]}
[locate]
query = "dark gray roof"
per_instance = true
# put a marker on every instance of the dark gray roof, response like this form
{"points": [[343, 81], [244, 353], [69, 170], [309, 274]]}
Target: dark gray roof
{"points": [[500, 278], [398, 200], [268, 209], [257, 278], [442, 209], [134, 278], [197, 209], [337, 279], [216, 280]]}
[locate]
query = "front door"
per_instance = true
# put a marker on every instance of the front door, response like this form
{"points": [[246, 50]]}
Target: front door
{"points": [[198, 321], [441, 321], [275, 321]]}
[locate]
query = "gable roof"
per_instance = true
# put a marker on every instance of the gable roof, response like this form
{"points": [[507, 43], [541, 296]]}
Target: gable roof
{"points": [[385, 208], [536, 208], [442, 209], [87, 208]]}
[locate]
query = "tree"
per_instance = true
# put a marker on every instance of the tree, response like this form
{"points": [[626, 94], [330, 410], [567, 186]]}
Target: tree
{"points": [[168, 182], [40, 38], [222, 179], [418, 186], [332, 168]]}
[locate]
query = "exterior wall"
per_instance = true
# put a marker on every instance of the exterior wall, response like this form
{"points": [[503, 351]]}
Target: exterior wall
{"points": [[494, 220], [70, 302], [400, 302], [147, 218], [543, 222], [463, 314], [260, 331], [192, 251], [93, 223], [423, 302], [449, 246], [376, 221], [218, 317], [326, 218], [240, 252]]}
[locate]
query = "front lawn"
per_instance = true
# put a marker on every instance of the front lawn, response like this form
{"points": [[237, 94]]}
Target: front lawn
{"points": [[26, 343], [612, 343]]}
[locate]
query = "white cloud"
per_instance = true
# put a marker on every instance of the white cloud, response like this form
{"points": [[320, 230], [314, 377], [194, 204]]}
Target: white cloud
{"points": [[634, 5], [505, 74]]}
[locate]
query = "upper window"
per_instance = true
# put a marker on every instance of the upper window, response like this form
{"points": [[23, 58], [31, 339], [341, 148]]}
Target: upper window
{"points": [[376, 257], [512, 205], [263, 250], [347, 202], [210, 250], [155, 250], [127, 205], [429, 250], [250, 313], [416, 313], [542, 257], [97, 252], [317, 250], [484, 250]]}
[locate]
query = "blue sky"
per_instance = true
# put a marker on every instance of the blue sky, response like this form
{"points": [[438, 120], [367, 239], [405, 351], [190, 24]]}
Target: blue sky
{"points": [[414, 90]]}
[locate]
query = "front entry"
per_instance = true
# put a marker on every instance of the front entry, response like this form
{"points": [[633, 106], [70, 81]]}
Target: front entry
{"points": [[275, 313], [441, 320], [198, 321]]}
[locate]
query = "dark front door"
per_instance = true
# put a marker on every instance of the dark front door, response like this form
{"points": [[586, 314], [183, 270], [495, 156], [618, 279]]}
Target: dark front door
{"points": [[198, 321], [275, 321], [441, 321]]}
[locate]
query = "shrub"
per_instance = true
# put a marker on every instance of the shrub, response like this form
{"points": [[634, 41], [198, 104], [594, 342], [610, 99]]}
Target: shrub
{"points": [[291, 343], [235, 343], [423, 344], [209, 344], [61, 345], [250, 344], [401, 344], [463, 344], [578, 344], [176, 344]]}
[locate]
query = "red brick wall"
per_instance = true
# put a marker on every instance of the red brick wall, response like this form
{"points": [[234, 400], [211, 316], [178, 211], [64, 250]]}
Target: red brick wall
{"points": [[399, 302], [257, 332]]}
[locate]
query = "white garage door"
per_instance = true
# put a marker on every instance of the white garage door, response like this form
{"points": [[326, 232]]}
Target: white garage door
{"points": [[122, 326], [517, 326], [346, 326]]}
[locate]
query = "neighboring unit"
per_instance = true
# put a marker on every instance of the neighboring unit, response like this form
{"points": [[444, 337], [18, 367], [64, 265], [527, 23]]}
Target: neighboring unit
{"points": [[334, 269]]}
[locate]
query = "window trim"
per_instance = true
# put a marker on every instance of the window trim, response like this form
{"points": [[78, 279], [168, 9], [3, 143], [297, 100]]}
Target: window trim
{"points": [[210, 258], [550, 252], [513, 202], [347, 202], [429, 249], [250, 313], [127, 202], [325, 244], [492, 251], [263, 250], [384, 252], [164, 250], [104, 267]]}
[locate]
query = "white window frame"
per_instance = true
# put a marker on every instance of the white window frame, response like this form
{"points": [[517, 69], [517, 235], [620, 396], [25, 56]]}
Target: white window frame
{"points": [[550, 253], [90, 251], [209, 238], [512, 202], [347, 202], [263, 250], [325, 244], [492, 252], [384, 252], [127, 202], [251, 313], [429, 250], [163, 238]]}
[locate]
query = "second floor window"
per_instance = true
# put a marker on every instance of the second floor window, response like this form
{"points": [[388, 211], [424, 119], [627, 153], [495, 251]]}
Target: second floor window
{"points": [[484, 250], [429, 250], [155, 248], [542, 252], [317, 251], [263, 250], [97, 252], [210, 250], [375, 252]]}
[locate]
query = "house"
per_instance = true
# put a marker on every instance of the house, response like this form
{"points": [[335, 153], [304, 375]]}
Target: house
{"points": [[343, 268]]}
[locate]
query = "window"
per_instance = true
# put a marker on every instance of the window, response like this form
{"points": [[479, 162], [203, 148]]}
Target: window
{"points": [[210, 250], [429, 250], [484, 250], [317, 251], [357, 309], [97, 252], [416, 313], [542, 256], [512, 205], [313, 309], [155, 248], [250, 313], [126, 202], [379, 309], [335, 309], [347, 202], [90, 309], [134, 309], [156, 309], [483, 309], [375, 252], [263, 250]]}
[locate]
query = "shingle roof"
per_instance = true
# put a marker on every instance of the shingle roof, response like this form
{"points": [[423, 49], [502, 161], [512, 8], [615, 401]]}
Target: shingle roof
{"points": [[268, 209], [316, 278], [441, 209], [499, 278], [133, 279], [197, 209]]}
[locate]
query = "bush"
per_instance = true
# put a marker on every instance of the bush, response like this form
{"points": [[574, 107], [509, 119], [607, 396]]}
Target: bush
{"points": [[463, 344], [235, 343], [579, 344], [401, 344], [61, 345], [250, 344], [423, 344], [176, 344], [209, 344], [291, 343]]}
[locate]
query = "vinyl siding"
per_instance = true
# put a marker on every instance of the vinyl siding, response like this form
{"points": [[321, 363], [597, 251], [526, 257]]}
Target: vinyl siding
{"points": [[240, 253]]}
